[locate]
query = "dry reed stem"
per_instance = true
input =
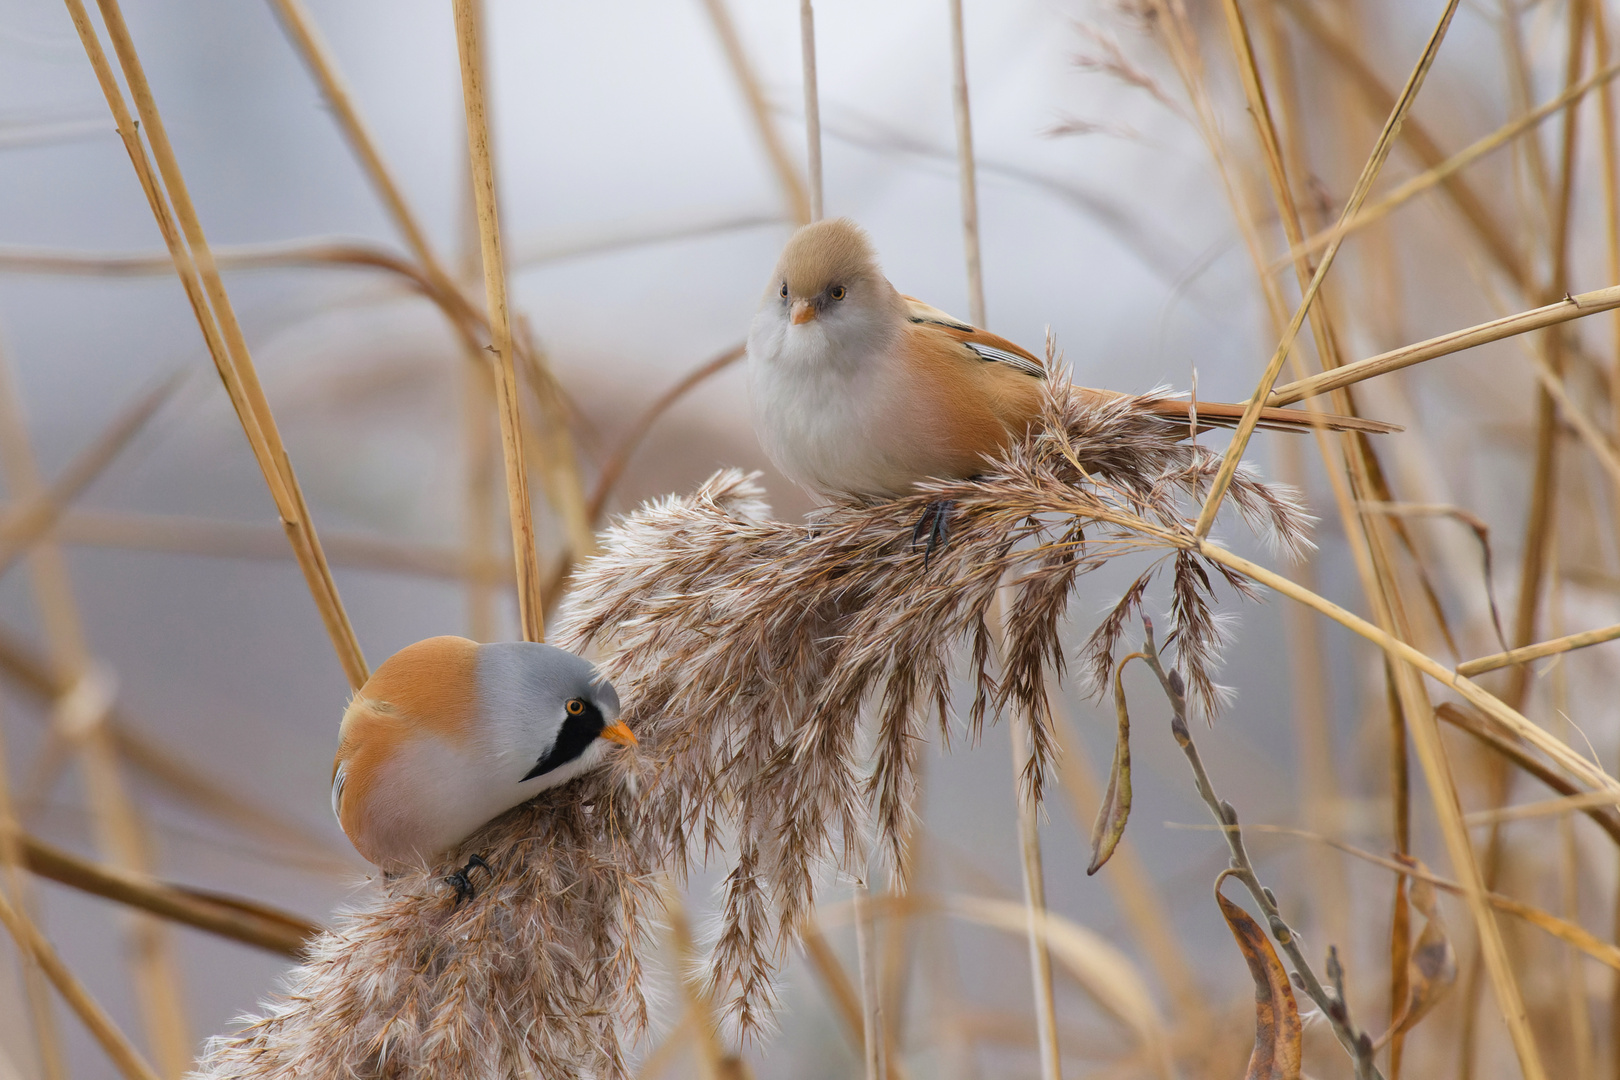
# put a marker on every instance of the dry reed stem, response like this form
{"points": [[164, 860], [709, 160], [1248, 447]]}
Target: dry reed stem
{"points": [[1040, 961], [1545, 808], [114, 1042], [200, 278], [1512, 750], [967, 172], [1537, 651], [787, 174], [812, 106], [1358, 194], [229, 917], [566, 492], [1508, 718], [1431, 177], [1540, 541], [1572, 415], [531, 605], [317, 252], [1379, 99], [478, 516], [874, 1055], [1560, 311]]}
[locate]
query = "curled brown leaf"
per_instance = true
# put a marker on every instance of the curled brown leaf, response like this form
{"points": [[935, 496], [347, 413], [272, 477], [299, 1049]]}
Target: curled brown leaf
{"points": [[1278, 1034], [1432, 964]]}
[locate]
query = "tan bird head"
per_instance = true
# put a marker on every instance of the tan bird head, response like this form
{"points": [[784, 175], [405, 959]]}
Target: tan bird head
{"points": [[827, 299]]}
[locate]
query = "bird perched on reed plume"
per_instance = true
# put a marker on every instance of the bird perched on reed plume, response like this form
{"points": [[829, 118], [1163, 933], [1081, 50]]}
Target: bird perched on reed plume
{"points": [[860, 390], [449, 734]]}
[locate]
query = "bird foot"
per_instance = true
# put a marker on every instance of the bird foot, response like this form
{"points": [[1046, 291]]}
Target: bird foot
{"points": [[935, 523], [462, 883]]}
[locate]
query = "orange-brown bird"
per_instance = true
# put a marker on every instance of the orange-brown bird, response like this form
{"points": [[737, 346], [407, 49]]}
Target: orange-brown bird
{"points": [[449, 734], [858, 389]]}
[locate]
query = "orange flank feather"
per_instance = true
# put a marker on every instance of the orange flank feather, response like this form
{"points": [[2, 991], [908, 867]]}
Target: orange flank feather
{"points": [[965, 408], [438, 677]]}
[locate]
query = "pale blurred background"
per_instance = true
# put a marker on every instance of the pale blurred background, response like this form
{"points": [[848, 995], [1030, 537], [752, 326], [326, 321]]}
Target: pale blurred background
{"points": [[642, 217]]}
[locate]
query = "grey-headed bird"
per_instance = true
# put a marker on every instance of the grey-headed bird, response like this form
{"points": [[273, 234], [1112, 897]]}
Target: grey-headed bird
{"points": [[449, 734]]}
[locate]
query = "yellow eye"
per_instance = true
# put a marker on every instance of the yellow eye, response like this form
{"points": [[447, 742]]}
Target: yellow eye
{"points": [[575, 706], [784, 290], [838, 292]]}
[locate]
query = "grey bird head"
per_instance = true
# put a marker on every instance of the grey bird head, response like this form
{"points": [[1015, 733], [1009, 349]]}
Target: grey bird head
{"points": [[551, 713]]}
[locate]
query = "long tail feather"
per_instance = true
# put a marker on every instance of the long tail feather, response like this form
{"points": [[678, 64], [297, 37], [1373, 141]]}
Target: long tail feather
{"points": [[1217, 414]]}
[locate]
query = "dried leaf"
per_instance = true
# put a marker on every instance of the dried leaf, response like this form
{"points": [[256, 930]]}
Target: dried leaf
{"points": [[1432, 965], [1278, 1049], [1116, 805]]}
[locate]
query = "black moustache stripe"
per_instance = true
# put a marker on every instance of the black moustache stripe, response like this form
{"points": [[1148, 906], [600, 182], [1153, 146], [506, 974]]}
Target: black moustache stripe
{"points": [[577, 734]]}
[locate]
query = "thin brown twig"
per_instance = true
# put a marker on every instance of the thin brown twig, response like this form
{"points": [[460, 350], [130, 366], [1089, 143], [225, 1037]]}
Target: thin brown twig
{"points": [[1355, 1042]]}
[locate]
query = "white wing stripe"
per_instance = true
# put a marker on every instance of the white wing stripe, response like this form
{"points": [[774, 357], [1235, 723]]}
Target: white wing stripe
{"points": [[1024, 364], [337, 790]]}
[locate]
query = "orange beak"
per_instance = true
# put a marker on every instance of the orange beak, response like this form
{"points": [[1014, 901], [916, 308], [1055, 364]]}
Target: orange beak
{"points": [[802, 312], [619, 733]]}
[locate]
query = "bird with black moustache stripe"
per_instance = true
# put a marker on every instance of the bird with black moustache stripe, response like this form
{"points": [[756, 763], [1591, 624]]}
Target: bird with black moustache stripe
{"points": [[449, 734]]}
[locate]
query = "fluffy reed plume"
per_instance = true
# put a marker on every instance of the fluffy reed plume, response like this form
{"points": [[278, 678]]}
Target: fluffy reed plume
{"points": [[744, 649], [537, 975]]}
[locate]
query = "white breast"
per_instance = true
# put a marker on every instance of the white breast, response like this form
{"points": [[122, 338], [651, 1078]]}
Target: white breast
{"points": [[824, 403]]}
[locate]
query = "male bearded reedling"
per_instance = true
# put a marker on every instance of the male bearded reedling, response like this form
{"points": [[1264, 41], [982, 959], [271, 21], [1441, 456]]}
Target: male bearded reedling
{"points": [[449, 734], [858, 389]]}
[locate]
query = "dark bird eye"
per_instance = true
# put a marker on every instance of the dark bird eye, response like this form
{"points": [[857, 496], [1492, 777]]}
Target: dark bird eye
{"points": [[784, 290], [837, 292], [575, 706]]}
